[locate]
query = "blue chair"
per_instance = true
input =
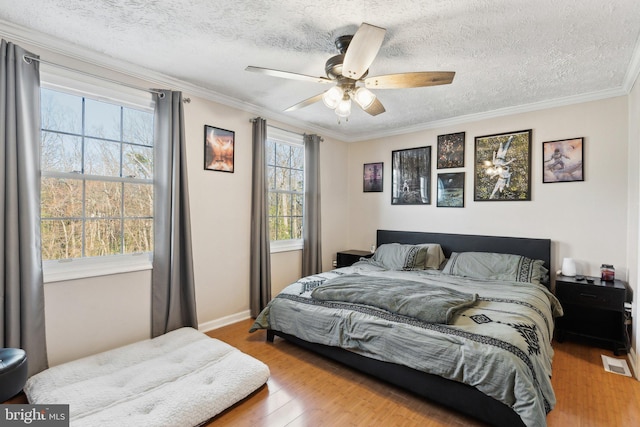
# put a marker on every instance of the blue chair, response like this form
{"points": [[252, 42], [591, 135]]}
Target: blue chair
{"points": [[13, 372]]}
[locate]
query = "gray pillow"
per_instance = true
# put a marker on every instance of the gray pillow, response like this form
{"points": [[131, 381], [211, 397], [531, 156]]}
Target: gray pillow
{"points": [[396, 256], [490, 265]]}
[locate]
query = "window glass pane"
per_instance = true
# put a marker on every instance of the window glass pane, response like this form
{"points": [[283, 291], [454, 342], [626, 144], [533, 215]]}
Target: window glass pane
{"points": [[297, 180], [284, 204], [137, 162], [61, 111], [102, 237], [282, 179], [103, 199], [102, 120], [271, 177], [273, 204], [284, 228], [138, 235], [270, 152], [273, 228], [297, 200], [137, 126], [102, 157], [61, 239], [297, 157], [296, 227], [283, 155], [61, 153], [138, 200], [61, 198]]}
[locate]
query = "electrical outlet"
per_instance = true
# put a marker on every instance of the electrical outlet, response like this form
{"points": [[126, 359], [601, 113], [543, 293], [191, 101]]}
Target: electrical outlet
{"points": [[334, 263]]}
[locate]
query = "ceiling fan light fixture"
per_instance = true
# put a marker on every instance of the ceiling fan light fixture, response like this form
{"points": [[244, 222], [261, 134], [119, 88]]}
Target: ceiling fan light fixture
{"points": [[332, 97], [364, 97], [344, 107]]}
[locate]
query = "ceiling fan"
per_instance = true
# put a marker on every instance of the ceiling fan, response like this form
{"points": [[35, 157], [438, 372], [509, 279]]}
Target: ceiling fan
{"points": [[348, 73]]}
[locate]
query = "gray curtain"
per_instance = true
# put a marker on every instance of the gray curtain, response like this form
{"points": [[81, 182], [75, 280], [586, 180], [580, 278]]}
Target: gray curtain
{"points": [[260, 258], [312, 249], [173, 302], [22, 324]]}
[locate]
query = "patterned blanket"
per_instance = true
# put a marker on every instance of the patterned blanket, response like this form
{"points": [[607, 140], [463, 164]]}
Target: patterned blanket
{"points": [[500, 345], [432, 304]]}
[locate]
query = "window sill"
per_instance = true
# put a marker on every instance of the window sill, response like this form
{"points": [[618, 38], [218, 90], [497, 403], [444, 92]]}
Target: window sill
{"points": [[285, 246], [81, 268]]}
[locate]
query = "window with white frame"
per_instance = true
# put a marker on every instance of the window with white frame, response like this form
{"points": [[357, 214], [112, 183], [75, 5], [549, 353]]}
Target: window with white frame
{"points": [[97, 177], [285, 176]]}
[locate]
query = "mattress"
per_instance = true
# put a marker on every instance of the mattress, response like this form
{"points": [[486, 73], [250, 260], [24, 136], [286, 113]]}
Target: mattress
{"points": [[182, 378]]}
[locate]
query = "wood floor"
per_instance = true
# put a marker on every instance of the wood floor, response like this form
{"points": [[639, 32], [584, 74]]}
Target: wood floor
{"points": [[308, 390]]}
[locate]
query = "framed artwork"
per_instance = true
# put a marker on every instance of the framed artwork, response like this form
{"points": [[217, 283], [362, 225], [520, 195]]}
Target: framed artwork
{"points": [[451, 150], [502, 167], [450, 190], [563, 160], [372, 176], [411, 176], [218, 149]]}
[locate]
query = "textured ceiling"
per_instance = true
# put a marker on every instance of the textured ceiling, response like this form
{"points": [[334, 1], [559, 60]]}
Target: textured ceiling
{"points": [[506, 53]]}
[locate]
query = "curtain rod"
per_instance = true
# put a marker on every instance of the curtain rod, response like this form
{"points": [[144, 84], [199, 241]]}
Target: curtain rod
{"points": [[28, 59]]}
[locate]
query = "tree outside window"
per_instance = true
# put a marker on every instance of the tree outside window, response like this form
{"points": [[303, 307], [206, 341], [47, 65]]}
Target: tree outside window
{"points": [[97, 172], [285, 175]]}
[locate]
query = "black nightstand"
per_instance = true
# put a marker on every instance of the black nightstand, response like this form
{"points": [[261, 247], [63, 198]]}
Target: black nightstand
{"points": [[593, 311], [347, 258]]}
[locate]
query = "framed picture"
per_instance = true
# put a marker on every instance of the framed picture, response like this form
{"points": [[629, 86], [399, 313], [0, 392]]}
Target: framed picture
{"points": [[372, 176], [450, 190], [218, 149], [502, 169], [451, 150], [411, 176], [563, 160]]}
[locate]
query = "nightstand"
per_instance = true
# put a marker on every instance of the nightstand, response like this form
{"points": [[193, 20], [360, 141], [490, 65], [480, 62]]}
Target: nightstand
{"points": [[593, 311], [347, 258]]}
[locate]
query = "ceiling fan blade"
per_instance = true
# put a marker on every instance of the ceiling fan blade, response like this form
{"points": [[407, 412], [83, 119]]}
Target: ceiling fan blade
{"points": [[306, 102], [362, 50], [408, 80], [288, 75], [375, 108]]}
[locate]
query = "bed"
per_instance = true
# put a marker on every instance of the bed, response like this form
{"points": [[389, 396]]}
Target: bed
{"points": [[488, 357], [181, 378]]}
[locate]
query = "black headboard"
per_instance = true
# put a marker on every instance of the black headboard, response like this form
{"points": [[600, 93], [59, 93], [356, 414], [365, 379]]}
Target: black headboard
{"points": [[531, 248]]}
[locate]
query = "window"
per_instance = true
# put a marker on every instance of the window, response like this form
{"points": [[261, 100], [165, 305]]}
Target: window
{"points": [[97, 171], [285, 175]]}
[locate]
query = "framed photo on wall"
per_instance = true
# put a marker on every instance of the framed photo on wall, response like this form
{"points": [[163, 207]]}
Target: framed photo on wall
{"points": [[219, 149], [451, 150], [372, 177], [450, 190], [502, 167], [411, 176], [563, 160]]}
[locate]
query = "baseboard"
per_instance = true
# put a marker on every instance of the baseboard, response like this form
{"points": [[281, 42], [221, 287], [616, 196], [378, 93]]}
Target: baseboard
{"points": [[224, 321], [633, 362]]}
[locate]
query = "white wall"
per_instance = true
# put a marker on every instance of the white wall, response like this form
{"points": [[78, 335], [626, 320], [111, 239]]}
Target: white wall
{"points": [[585, 220], [634, 214], [86, 316]]}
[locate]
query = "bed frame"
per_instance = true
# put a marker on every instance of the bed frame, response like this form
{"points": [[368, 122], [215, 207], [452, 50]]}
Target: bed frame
{"points": [[458, 396]]}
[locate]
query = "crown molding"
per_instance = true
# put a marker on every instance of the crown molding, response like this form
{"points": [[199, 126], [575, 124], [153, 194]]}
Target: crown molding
{"points": [[64, 48]]}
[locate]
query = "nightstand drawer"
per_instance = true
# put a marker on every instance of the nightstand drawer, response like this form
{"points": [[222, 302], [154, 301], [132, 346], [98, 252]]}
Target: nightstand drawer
{"points": [[592, 296]]}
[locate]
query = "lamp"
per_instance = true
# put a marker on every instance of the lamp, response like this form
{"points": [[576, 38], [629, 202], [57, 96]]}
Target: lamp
{"points": [[568, 267], [344, 107], [332, 97], [364, 97]]}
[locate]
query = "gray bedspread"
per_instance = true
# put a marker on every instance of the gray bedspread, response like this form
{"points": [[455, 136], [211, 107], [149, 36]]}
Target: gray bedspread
{"points": [[432, 304], [500, 345]]}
